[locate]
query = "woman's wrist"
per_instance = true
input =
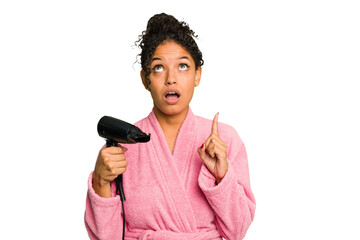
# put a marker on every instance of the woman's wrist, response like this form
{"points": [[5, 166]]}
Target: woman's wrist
{"points": [[101, 187], [217, 181]]}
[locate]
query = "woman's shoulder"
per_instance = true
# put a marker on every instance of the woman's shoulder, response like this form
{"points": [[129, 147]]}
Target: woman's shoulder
{"points": [[142, 122]]}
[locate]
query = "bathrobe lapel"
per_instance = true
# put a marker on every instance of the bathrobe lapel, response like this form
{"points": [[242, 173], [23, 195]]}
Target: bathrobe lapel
{"points": [[174, 168]]}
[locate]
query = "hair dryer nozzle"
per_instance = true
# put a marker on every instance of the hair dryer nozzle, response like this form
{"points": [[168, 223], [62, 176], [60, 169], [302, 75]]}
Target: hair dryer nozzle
{"points": [[121, 132]]}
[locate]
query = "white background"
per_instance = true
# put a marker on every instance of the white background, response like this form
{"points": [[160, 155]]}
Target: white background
{"points": [[285, 74]]}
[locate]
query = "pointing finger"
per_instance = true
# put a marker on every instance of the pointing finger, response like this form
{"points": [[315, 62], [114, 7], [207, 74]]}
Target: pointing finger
{"points": [[214, 129]]}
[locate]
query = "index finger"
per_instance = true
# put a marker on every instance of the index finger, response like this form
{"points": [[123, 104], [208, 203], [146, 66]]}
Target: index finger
{"points": [[214, 129], [116, 150]]}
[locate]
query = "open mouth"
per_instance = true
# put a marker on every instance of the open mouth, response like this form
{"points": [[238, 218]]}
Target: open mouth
{"points": [[172, 96]]}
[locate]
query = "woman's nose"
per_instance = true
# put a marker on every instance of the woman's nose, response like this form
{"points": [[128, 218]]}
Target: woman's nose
{"points": [[171, 77]]}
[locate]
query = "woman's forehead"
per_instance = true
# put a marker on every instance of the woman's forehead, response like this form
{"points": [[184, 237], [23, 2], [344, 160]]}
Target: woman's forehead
{"points": [[170, 50]]}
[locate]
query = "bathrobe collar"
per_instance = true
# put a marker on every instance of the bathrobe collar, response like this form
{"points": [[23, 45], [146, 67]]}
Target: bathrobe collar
{"points": [[175, 167], [185, 137]]}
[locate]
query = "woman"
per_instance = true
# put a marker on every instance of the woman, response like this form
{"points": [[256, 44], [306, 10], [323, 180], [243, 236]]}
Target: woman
{"points": [[191, 181]]}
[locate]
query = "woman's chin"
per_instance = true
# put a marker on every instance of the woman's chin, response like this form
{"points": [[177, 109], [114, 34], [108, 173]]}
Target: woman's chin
{"points": [[172, 110]]}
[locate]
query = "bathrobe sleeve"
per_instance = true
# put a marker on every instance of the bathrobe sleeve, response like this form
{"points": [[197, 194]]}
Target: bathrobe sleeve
{"points": [[103, 216], [232, 199]]}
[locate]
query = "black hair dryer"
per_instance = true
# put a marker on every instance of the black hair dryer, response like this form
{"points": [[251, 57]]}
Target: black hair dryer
{"points": [[117, 131]]}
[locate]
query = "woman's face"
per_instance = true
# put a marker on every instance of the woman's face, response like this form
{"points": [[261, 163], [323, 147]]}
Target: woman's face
{"points": [[173, 78]]}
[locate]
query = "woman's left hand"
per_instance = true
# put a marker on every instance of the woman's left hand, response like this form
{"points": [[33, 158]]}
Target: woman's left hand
{"points": [[214, 153]]}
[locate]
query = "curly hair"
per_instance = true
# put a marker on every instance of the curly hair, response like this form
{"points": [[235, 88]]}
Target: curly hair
{"points": [[163, 27]]}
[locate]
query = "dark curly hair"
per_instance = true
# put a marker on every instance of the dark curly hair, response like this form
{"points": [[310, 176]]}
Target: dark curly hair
{"points": [[163, 27]]}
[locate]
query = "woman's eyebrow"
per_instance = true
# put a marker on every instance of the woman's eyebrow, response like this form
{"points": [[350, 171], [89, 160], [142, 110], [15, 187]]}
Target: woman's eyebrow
{"points": [[154, 59], [185, 57], [158, 58]]}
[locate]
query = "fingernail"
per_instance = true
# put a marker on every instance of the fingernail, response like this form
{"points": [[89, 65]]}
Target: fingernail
{"points": [[202, 146], [206, 151]]}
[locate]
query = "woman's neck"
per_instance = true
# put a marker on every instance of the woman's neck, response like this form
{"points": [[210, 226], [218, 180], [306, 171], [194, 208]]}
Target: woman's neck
{"points": [[168, 122], [170, 125]]}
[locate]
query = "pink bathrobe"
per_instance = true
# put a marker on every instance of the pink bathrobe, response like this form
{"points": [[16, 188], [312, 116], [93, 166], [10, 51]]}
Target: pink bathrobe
{"points": [[174, 196]]}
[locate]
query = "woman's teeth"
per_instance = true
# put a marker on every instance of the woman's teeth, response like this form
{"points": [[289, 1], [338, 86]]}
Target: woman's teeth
{"points": [[172, 94]]}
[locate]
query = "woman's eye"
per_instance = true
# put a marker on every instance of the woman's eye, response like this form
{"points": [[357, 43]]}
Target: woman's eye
{"points": [[183, 66], [158, 68]]}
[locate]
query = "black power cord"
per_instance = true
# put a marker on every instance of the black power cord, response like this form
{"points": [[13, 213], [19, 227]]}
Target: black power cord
{"points": [[120, 192]]}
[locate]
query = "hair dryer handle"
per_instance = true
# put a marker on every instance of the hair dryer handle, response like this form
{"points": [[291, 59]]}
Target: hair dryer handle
{"points": [[118, 179]]}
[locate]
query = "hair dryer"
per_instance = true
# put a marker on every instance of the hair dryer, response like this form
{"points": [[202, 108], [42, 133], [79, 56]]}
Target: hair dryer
{"points": [[117, 131]]}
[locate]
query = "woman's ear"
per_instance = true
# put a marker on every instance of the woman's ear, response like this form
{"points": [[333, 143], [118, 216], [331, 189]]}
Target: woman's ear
{"points": [[143, 78], [198, 76]]}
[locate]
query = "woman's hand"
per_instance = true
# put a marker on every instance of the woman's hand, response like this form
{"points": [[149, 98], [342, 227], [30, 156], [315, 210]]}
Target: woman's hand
{"points": [[110, 163], [214, 153]]}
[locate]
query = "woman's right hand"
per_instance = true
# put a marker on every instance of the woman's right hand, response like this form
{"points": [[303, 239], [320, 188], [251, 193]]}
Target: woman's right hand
{"points": [[110, 163]]}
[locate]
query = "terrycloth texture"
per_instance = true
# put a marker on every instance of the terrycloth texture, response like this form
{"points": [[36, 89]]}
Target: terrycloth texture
{"points": [[174, 196]]}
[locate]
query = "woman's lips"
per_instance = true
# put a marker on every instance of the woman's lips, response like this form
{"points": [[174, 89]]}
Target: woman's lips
{"points": [[172, 97]]}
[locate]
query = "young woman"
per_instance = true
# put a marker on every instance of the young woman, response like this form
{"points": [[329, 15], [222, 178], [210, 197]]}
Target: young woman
{"points": [[191, 181]]}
